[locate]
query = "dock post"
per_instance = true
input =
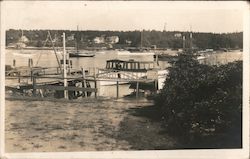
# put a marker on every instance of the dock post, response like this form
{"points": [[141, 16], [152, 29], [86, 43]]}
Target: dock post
{"points": [[84, 85], [156, 85], [157, 59], [31, 75], [31, 62], [65, 81], [95, 87], [14, 63], [19, 78], [34, 86], [117, 89], [137, 89]]}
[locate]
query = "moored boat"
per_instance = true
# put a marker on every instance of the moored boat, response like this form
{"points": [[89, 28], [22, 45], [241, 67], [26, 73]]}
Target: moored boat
{"points": [[77, 52], [137, 53], [123, 71], [127, 71], [81, 54]]}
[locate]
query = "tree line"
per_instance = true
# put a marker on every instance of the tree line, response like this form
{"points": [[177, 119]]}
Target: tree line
{"points": [[162, 39]]}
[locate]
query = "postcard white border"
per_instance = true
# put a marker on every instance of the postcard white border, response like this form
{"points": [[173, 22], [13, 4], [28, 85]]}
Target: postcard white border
{"points": [[196, 153]]}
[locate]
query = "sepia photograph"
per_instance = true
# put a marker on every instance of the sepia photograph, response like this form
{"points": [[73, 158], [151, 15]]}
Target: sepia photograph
{"points": [[125, 78]]}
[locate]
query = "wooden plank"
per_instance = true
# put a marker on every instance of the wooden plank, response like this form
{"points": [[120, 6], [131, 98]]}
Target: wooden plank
{"points": [[62, 88]]}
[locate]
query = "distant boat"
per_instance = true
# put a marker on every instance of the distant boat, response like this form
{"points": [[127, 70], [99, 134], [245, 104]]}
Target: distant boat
{"points": [[23, 54], [81, 54], [77, 52], [137, 52]]}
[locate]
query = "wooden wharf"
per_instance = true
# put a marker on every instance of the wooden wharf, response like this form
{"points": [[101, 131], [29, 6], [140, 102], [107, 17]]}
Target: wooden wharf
{"points": [[44, 79]]}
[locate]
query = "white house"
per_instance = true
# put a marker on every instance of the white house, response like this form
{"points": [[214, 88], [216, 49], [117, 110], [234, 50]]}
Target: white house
{"points": [[112, 39], [177, 35], [99, 40]]}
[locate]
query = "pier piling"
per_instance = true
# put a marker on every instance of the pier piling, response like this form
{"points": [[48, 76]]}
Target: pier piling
{"points": [[34, 86], [19, 76], [137, 90], [84, 85], [95, 86], [117, 89], [14, 63], [31, 75]]}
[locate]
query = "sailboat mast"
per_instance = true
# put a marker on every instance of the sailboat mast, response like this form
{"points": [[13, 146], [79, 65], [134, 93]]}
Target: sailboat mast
{"points": [[191, 38], [141, 38], [77, 47], [184, 42]]}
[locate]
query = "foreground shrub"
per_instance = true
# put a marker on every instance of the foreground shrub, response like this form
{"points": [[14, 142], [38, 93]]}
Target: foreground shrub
{"points": [[202, 105]]}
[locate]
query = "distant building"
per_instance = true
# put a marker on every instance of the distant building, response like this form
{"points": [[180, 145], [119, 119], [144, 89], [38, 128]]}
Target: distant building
{"points": [[177, 35], [71, 37], [24, 39], [22, 42], [129, 42], [99, 40], [112, 39]]}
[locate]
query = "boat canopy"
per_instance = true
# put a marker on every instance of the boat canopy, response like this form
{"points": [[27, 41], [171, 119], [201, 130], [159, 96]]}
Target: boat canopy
{"points": [[129, 65]]}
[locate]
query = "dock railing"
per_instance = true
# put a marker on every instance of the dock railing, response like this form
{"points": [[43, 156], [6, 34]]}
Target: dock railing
{"points": [[54, 84], [39, 83]]}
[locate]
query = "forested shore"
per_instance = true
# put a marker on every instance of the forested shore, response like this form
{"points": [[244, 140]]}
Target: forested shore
{"points": [[146, 38]]}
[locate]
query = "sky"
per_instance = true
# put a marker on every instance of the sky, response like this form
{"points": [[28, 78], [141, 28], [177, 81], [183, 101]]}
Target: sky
{"points": [[217, 17]]}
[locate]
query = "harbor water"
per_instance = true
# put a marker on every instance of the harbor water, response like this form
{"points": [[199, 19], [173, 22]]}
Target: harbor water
{"points": [[47, 58]]}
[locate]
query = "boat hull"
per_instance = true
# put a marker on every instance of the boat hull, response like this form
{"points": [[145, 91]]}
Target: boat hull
{"points": [[110, 83], [80, 55], [162, 75], [128, 53]]}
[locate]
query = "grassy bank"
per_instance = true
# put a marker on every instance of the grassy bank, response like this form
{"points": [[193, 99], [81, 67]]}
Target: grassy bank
{"points": [[86, 125]]}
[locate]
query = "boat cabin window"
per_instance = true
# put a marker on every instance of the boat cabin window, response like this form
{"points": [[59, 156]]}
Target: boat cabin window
{"points": [[128, 65], [115, 65]]}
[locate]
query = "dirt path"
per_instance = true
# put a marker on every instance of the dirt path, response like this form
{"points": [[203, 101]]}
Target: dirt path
{"points": [[46, 126]]}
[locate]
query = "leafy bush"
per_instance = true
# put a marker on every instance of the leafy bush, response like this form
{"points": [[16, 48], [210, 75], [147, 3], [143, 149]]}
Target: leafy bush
{"points": [[202, 105]]}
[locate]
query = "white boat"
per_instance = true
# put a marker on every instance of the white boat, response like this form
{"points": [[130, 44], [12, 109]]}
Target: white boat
{"points": [[126, 71], [22, 54], [201, 57], [162, 74], [123, 71]]}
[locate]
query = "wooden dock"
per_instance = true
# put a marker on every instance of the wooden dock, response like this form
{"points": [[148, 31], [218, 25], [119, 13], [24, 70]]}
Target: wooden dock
{"points": [[39, 79]]}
